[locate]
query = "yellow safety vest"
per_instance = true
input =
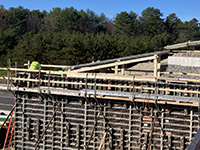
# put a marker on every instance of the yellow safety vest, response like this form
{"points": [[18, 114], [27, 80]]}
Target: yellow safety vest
{"points": [[35, 66]]}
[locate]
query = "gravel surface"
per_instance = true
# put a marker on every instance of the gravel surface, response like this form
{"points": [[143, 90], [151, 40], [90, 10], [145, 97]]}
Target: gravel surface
{"points": [[183, 69]]}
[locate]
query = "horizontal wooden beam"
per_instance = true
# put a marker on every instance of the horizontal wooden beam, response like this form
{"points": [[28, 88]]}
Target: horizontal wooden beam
{"points": [[110, 85], [181, 73], [107, 76], [167, 102], [51, 66], [146, 100], [114, 64]]}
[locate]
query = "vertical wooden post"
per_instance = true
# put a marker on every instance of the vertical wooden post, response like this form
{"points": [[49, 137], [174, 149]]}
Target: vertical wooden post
{"points": [[155, 63], [16, 70], [8, 71], [159, 58], [29, 63], [116, 68], [122, 71], [29, 75]]}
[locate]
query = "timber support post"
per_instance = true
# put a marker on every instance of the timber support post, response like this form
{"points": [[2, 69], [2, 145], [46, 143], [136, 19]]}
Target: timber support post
{"points": [[159, 66], [116, 68], [155, 63]]}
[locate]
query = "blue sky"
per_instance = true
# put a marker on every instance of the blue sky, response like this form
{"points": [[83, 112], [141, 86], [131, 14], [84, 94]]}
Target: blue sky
{"points": [[184, 9]]}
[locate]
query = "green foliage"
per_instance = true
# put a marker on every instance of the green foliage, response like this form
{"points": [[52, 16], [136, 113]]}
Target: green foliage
{"points": [[50, 19], [17, 18], [151, 22], [191, 29], [8, 40], [69, 37], [173, 26], [3, 18], [67, 19], [126, 23], [3, 73]]}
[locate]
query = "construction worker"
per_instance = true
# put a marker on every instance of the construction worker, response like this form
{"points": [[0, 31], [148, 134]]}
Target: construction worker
{"points": [[35, 66], [94, 59], [33, 75]]}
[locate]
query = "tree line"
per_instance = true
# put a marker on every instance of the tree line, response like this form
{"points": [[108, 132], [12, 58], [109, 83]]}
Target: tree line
{"points": [[68, 36]]}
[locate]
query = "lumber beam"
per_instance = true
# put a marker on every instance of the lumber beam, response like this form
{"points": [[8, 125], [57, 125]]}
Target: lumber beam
{"points": [[102, 141], [159, 66], [51, 66], [147, 101], [109, 85], [123, 70], [108, 76], [113, 64], [116, 68], [181, 73], [155, 63], [182, 45]]}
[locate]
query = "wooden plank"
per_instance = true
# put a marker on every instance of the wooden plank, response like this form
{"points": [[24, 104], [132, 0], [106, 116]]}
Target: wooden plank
{"points": [[111, 76], [167, 102], [155, 63], [116, 68], [108, 76], [181, 73], [159, 58], [109, 85], [175, 80], [51, 66], [2, 68], [113, 64], [179, 79], [146, 100], [194, 51], [123, 70], [102, 140]]}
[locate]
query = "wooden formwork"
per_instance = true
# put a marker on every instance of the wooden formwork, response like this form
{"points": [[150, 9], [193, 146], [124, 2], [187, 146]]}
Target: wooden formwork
{"points": [[127, 126], [58, 110], [136, 112]]}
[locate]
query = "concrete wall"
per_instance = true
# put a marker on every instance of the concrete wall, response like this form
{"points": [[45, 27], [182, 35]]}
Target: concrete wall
{"points": [[184, 61]]}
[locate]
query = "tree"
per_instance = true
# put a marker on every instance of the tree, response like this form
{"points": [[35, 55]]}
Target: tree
{"points": [[85, 23], [67, 19], [18, 17], [126, 23], [173, 25], [8, 40], [151, 22], [192, 29], [101, 23], [3, 18], [50, 19], [33, 22], [110, 27]]}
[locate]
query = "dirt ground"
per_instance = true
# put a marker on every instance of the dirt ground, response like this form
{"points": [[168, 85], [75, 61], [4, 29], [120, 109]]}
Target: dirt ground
{"points": [[3, 81]]}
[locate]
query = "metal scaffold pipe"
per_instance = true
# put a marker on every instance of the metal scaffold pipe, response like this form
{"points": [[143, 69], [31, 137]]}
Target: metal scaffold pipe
{"points": [[182, 45]]}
